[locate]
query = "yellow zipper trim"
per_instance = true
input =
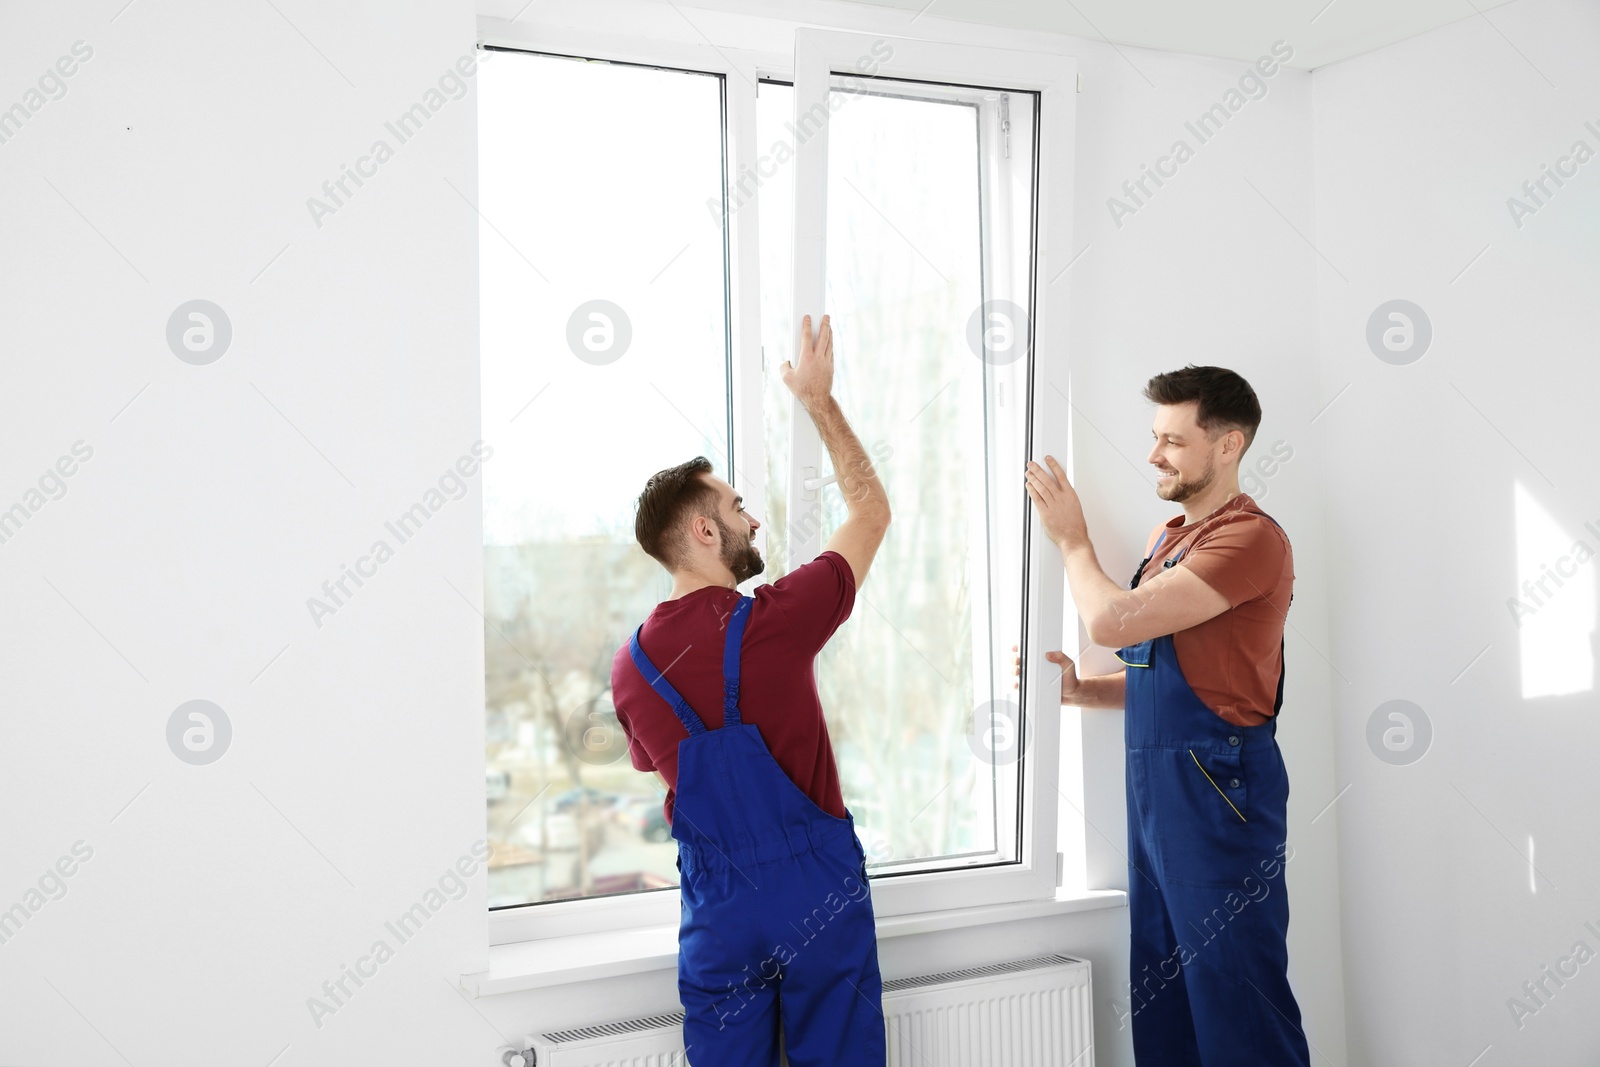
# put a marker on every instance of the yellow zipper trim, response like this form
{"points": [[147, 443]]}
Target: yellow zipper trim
{"points": [[1215, 786], [1125, 663]]}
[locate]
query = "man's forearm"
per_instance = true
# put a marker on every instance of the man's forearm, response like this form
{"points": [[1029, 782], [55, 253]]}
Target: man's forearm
{"points": [[852, 469], [1107, 691], [1092, 590]]}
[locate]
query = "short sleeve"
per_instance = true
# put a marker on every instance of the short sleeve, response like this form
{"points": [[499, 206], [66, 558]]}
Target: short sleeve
{"points": [[1151, 541], [636, 753], [1242, 560], [815, 599]]}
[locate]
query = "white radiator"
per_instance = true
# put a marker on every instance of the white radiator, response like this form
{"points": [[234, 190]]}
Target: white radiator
{"points": [[654, 1041], [1029, 1013]]}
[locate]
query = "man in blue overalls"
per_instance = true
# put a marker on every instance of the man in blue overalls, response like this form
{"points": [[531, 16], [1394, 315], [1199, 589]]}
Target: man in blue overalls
{"points": [[1202, 648], [777, 938]]}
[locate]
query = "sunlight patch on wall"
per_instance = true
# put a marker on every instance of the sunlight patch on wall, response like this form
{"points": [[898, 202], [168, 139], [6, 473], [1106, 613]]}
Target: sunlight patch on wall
{"points": [[1554, 608]]}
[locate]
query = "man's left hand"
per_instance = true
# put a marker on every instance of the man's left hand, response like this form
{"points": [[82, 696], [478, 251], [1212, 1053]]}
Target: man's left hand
{"points": [[1057, 502]]}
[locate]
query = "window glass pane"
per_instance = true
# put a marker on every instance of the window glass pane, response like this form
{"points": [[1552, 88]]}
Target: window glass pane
{"points": [[604, 353], [930, 215]]}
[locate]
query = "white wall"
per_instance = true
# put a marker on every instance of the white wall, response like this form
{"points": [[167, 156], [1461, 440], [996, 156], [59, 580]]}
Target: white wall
{"points": [[178, 564], [217, 499], [1417, 149]]}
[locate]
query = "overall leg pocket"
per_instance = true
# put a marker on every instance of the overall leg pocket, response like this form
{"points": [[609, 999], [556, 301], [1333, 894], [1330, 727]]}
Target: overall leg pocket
{"points": [[1197, 815], [1224, 770]]}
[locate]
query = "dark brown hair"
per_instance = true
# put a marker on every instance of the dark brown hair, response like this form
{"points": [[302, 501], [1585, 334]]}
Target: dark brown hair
{"points": [[670, 497], [1226, 400]]}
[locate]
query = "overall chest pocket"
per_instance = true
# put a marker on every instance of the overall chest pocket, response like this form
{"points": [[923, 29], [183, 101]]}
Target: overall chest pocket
{"points": [[1137, 655]]}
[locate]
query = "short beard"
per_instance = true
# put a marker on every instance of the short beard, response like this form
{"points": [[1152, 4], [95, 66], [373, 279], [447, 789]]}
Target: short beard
{"points": [[1181, 490], [743, 560]]}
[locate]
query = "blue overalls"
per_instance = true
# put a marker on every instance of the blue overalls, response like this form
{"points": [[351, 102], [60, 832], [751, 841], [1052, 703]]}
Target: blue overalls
{"points": [[777, 915], [1206, 896]]}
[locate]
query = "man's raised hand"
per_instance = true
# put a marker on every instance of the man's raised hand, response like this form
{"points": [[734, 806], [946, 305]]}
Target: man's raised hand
{"points": [[812, 381]]}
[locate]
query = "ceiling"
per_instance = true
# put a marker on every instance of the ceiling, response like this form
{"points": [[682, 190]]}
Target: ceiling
{"points": [[1319, 31]]}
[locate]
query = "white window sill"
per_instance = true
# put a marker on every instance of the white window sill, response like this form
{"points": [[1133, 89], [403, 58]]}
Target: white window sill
{"points": [[558, 961]]}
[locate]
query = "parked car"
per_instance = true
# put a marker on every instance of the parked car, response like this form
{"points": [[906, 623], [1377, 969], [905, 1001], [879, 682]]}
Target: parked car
{"points": [[558, 832], [643, 816], [599, 799]]}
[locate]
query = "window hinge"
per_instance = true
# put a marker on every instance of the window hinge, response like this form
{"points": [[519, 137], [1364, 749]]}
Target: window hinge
{"points": [[1005, 125]]}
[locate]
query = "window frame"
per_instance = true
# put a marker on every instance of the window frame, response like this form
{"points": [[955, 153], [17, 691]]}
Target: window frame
{"points": [[820, 54], [1054, 79]]}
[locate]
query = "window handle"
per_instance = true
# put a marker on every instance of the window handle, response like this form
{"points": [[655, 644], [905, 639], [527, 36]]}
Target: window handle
{"points": [[811, 483]]}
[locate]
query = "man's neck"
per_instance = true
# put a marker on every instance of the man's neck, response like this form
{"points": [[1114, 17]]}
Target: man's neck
{"points": [[686, 582], [1197, 508]]}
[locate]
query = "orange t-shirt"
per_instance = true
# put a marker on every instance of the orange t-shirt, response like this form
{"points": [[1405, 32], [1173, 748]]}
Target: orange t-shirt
{"points": [[1232, 660]]}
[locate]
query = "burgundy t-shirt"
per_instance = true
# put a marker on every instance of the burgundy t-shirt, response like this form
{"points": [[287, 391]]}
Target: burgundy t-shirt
{"points": [[789, 623]]}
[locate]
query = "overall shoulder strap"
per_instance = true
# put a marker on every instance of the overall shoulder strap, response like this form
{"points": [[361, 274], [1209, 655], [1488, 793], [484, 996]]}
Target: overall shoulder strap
{"points": [[1283, 666], [1276, 523], [1138, 575], [659, 683], [1171, 561], [1283, 669], [730, 661]]}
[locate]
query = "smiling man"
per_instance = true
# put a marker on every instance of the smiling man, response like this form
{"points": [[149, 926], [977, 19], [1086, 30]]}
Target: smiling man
{"points": [[1200, 633]]}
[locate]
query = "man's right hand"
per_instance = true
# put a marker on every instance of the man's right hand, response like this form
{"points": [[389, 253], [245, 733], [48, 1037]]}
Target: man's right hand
{"points": [[812, 381], [1069, 674]]}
